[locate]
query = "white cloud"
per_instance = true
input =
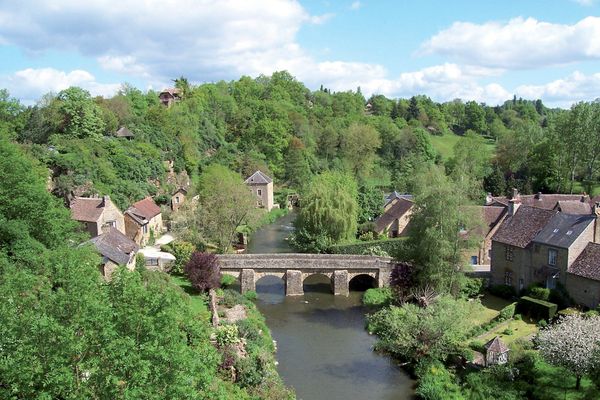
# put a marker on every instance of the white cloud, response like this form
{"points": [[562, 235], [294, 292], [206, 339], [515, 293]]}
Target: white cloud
{"points": [[29, 84], [585, 3], [355, 5], [564, 92], [518, 44]]}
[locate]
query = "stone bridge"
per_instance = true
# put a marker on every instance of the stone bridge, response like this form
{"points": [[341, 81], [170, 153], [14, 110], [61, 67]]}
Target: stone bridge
{"points": [[295, 268]]}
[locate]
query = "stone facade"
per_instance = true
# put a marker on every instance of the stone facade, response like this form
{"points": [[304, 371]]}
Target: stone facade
{"points": [[295, 268], [178, 198], [262, 187], [97, 214]]}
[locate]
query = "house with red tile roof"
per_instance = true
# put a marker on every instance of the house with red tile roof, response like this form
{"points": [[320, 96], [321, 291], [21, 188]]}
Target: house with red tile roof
{"points": [[143, 220], [97, 214]]}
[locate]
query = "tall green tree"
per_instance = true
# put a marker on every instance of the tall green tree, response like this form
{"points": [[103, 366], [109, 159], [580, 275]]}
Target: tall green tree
{"points": [[81, 117], [357, 146]]}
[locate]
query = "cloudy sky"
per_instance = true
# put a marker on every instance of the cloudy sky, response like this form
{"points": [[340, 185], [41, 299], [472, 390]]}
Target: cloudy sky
{"points": [[481, 50]]}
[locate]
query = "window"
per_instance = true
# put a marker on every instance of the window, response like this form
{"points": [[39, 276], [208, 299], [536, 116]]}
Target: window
{"points": [[145, 228], [474, 260], [259, 192], [552, 256], [112, 223], [177, 199], [508, 276], [509, 254], [152, 261]]}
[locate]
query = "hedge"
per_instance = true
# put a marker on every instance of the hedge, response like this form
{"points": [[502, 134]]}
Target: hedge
{"points": [[536, 308], [394, 247]]}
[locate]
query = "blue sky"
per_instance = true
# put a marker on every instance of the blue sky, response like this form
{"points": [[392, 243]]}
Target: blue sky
{"points": [[481, 50]]}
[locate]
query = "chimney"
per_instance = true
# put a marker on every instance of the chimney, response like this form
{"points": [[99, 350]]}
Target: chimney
{"points": [[488, 198], [538, 196], [105, 200], [514, 203]]}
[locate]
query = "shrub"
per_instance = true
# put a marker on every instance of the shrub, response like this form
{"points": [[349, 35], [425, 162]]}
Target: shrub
{"points": [[542, 323], [507, 312], [540, 293], [227, 280], [504, 291], [437, 383], [377, 297], [518, 317], [203, 271], [250, 295], [537, 308], [477, 345], [366, 237], [227, 335], [508, 331], [470, 287], [251, 370], [375, 251], [231, 298], [182, 252], [560, 297]]}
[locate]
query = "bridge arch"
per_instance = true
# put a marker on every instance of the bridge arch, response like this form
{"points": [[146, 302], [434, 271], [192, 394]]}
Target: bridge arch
{"points": [[317, 282], [362, 282]]}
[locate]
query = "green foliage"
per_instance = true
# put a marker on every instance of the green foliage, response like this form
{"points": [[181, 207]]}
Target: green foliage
{"points": [[227, 280], [394, 247], [140, 263], [250, 295], [504, 291], [539, 293], [80, 116], [377, 297], [471, 287], [182, 251], [535, 308], [375, 251], [329, 211], [227, 335], [507, 312], [370, 203], [437, 383]]}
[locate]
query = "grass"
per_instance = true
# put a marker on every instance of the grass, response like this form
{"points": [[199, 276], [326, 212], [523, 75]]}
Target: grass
{"points": [[197, 300], [521, 329], [444, 144], [488, 310], [557, 383]]}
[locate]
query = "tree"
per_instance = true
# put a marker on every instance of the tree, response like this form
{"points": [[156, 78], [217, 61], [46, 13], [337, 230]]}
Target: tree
{"points": [[297, 169], [329, 210], [225, 203], [357, 147], [474, 117], [203, 271], [370, 203], [413, 108], [435, 241], [81, 117], [571, 343]]}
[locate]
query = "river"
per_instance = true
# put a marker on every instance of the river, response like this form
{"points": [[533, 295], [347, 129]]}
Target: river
{"points": [[324, 352]]}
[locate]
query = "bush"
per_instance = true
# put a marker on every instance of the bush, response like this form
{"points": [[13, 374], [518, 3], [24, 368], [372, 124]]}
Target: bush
{"points": [[227, 335], [508, 331], [518, 317], [437, 383], [250, 295], [375, 251], [377, 297], [227, 280], [538, 309], [540, 293], [477, 345], [231, 298], [507, 312], [503, 291], [203, 271], [182, 252], [560, 297], [470, 287], [542, 323], [394, 247]]}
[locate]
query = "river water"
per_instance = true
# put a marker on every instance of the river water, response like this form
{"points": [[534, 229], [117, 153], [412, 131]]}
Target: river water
{"points": [[324, 352]]}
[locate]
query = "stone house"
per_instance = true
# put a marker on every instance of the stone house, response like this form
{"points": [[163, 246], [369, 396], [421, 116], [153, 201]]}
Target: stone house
{"points": [[496, 352], [169, 96], [178, 198], [396, 215], [491, 218], [546, 246], [262, 187], [143, 220], [97, 214], [539, 200], [116, 249], [123, 132]]}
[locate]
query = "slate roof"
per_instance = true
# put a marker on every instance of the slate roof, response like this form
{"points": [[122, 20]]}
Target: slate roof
{"points": [[115, 246], [180, 189], [175, 92], [143, 211], [574, 207], [396, 195], [396, 211], [545, 201], [258, 178], [124, 132], [87, 209], [587, 265], [496, 345], [520, 229], [563, 229]]}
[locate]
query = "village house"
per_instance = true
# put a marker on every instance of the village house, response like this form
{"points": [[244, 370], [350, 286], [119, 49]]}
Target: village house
{"points": [[116, 249], [496, 352], [178, 198], [491, 218], [546, 246], [262, 187], [143, 220], [123, 132], [97, 214], [169, 96], [395, 218], [570, 202]]}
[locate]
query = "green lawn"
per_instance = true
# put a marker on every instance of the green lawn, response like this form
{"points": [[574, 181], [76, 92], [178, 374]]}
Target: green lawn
{"points": [[197, 301], [520, 329], [444, 144], [557, 383], [489, 309]]}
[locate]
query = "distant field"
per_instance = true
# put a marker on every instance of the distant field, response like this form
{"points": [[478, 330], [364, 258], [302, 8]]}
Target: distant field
{"points": [[445, 144]]}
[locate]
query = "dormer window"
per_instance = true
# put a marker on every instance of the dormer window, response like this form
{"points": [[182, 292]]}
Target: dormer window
{"points": [[569, 233], [555, 230]]}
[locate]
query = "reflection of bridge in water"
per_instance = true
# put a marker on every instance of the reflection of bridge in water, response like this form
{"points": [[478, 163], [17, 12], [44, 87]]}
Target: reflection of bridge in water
{"points": [[295, 268]]}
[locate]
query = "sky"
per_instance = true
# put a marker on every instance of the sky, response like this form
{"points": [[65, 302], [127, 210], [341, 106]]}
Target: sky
{"points": [[485, 51]]}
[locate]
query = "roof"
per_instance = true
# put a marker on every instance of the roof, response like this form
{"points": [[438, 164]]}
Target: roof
{"points": [[563, 229], [396, 195], [490, 217], [574, 207], [180, 189], [258, 178], [545, 201], [124, 132], [172, 91], [145, 208], [396, 211], [520, 229], [496, 345], [587, 265], [115, 246], [87, 209]]}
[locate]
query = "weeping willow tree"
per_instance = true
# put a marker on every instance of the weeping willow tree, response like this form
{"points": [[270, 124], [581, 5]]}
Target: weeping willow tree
{"points": [[329, 212]]}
